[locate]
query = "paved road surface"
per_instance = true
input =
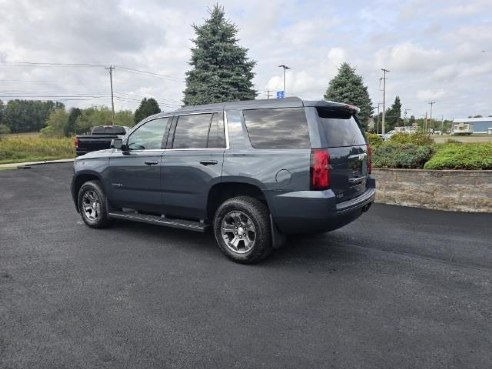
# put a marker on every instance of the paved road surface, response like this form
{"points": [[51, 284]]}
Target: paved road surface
{"points": [[399, 288]]}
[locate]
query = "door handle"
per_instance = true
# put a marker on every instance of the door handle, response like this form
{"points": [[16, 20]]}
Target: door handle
{"points": [[208, 162], [151, 162]]}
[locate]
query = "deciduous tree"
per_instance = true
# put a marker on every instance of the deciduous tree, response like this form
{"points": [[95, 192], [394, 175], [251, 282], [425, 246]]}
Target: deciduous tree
{"points": [[147, 108]]}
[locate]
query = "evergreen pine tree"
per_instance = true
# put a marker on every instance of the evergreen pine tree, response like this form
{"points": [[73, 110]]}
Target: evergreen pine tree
{"points": [[147, 108], [221, 70], [348, 87], [393, 115]]}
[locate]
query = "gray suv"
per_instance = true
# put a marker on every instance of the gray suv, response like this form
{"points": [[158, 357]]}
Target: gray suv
{"points": [[253, 171]]}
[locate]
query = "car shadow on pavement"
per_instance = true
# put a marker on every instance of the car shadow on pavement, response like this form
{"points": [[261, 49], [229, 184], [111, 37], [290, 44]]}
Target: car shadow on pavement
{"points": [[317, 248]]}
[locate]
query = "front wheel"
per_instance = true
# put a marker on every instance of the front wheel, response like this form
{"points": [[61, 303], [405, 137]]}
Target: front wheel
{"points": [[242, 229], [92, 205]]}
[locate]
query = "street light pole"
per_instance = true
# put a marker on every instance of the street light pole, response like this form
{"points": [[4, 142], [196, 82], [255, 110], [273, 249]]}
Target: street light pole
{"points": [[284, 67], [384, 96]]}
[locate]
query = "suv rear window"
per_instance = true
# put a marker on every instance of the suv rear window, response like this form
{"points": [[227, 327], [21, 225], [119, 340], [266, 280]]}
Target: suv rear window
{"points": [[108, 130], [339, 128], [277, 128]]}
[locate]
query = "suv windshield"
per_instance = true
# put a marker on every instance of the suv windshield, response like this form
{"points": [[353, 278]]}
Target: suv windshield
{"points": [[339, 128]]}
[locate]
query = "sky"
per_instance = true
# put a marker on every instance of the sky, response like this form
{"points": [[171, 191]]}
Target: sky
{"points": [[435, 50]]}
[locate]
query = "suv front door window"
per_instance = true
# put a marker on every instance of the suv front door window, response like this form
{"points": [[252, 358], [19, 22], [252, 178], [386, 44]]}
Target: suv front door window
{"points": [[135, 174]]}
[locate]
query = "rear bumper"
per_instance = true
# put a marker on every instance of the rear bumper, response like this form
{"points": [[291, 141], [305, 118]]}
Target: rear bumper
{"points": [[317, 211]]}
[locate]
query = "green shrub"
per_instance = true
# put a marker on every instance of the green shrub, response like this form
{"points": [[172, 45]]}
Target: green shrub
{"points": [[462, 156], [418, 138], [374, 139], [396, 155], [28, 148]]}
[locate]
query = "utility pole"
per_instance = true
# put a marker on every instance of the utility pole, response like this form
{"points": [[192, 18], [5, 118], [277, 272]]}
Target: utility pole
{"points": [[431, 103], [384, 97], [377, 122], [268, 94], [110, 68], [285, 67], [405, 116], [430, 117]]}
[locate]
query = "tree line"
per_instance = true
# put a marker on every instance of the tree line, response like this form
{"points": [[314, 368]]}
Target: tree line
{"points": [[51, 118]]}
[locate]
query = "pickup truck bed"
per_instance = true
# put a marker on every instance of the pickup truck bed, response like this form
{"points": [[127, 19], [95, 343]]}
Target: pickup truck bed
{"points": [[99, 139]]}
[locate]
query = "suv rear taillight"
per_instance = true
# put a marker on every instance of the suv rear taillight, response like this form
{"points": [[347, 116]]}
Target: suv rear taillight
{"points": [[76, 142], [369, 159], [320, 169]]}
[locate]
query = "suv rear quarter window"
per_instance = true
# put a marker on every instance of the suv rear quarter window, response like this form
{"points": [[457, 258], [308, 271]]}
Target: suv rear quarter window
{"points": [[285, 128]]}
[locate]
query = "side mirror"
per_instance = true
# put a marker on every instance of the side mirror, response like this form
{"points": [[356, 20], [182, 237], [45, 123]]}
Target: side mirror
{"points": [[116, 143]]}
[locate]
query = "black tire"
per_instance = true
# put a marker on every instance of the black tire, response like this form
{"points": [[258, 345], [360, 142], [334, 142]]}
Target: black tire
{"points": [[242, 229], [93, 205]]}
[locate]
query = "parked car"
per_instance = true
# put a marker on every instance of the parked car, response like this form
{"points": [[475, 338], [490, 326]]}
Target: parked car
{"points": [[252, 171], [100, 138], [388, 135]]}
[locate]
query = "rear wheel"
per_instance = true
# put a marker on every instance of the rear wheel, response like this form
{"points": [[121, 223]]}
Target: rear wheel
{"points": [[242, 229], [92, 205]]}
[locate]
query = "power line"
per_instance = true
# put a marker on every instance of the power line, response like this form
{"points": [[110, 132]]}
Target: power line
{"points": [[150, 73], [43, 64]]}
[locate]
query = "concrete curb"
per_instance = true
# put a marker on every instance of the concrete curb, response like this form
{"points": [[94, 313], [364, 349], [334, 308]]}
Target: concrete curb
{"points": [[32, 163]]}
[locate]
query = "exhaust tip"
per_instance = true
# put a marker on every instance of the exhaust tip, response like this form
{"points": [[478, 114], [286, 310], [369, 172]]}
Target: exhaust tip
{"points": [[366, 207]]}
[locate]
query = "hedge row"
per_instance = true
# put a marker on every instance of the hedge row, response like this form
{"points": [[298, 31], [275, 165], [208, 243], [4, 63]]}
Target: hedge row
{"points": [[415, 151], [461, 156], [395, 155]]}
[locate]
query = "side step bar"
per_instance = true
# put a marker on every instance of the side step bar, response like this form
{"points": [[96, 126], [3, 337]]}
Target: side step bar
{"points": [[155, 219]]}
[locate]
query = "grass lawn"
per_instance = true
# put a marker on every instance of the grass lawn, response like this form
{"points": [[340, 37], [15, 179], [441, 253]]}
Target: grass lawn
{"points": [[18, 148], [465, 139]]}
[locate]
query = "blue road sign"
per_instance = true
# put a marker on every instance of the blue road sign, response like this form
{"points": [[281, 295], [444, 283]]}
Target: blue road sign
{"points": [[280, 94]]}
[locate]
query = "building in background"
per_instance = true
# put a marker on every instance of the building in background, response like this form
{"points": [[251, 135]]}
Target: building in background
{"points": [[476, 125]]}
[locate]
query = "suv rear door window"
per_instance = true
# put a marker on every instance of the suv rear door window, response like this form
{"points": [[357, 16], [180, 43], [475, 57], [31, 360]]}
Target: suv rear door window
{"points": [[277, 128], [192, 131], [339, 128], [199, 131]]}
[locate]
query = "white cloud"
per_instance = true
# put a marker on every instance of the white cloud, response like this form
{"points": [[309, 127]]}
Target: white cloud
{"points": [[427, 95], [408, 57], [433, 49]]}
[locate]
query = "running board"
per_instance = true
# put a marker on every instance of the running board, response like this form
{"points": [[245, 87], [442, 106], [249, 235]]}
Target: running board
{"points": [[155, 219]]}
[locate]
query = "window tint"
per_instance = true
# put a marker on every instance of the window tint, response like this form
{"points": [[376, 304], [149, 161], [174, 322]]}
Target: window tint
{"points": [[192, 131], [216, 135], [339, 128], [148, 136], [277, 128]]}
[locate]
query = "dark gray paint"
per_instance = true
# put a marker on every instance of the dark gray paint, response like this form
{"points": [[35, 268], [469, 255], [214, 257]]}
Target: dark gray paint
{"points": [[179, 184]]}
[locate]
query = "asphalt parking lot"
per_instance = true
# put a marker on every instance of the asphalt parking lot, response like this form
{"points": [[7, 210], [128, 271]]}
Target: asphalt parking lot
{"points": [[398, 288]]}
